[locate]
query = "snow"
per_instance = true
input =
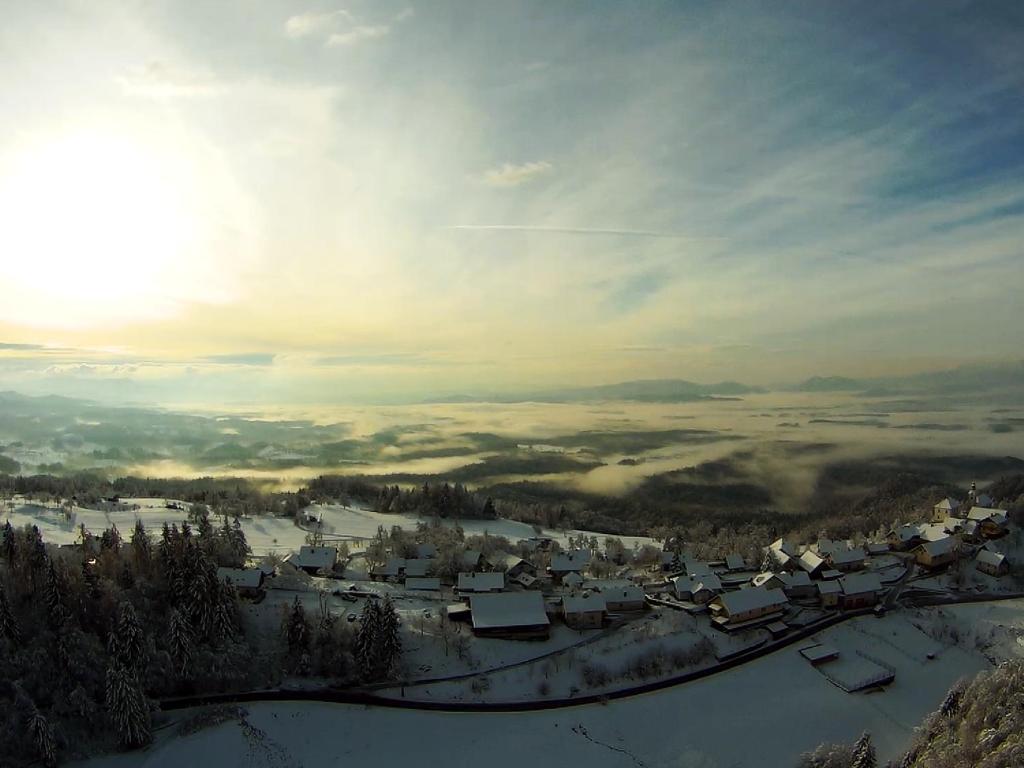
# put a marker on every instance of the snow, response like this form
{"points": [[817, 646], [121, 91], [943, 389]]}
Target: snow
{"points": [[780, 703]]}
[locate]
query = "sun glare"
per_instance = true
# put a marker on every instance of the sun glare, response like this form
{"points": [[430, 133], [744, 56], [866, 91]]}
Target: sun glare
{"points": [[90, 220]]}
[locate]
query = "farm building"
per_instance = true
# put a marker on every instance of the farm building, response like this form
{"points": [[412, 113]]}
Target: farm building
{"points": [[419, 583], [513, 615], [314, 559], [992, 563], [734, 562], [585, 611], [829, 592], [846, 559], [625, 598], [935, 554], [476, 583], [246, 581], [811, 562], [992, 523], [859, 590], [746, 605]]}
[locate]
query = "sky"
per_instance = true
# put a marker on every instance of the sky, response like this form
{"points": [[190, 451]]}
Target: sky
{"points": [[328, 201]]}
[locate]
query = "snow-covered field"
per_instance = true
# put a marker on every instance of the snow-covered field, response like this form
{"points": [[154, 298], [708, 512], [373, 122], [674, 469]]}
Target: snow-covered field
{"points": [[264, 534], [762, 713]]}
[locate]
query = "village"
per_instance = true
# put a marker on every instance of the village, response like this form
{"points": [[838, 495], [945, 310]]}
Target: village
{"points": [[532, 615]]}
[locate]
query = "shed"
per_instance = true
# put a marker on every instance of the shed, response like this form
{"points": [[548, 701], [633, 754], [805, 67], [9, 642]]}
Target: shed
{"points": [[819, 654]]}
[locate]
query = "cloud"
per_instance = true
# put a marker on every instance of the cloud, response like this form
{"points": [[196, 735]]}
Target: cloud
{"points": [[11, 345], [357, 35], [157, 79], [405, 15], [313, 23], [579, 231], [255, 358], [511, 175]]}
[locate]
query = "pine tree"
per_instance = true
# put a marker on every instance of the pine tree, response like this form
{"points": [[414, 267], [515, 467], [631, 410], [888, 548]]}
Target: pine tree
{"points": [[127, 644], [91, 579], [56, 588], [297, 630], [141, 547], [180, 641], [8, 624], [38, 728], [365, 648], [864, 753], [9, 544], [127, 706], [223, 620], [389, 639]]}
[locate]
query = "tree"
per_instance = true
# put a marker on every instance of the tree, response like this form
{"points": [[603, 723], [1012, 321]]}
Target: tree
{"points": [[127, 644], [56, 587], [864, 753], [141, 547], [180, 641], [127, 706], [364, 649], [37, 727], [388, 640], [296, 630], [8, 624]]}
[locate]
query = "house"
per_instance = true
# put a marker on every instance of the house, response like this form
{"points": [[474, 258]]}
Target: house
{"points": [[992, 563], [946, 508], [734, 562], [476, 583], [704, 588], [471, 559], [512, 615], [246, 581], [859, 590], [420, 584], [798, 584], [391, 569], [586, 611], [572, 580], [426, 551], [417, 567], [312, 560], [845, 560], [624, 598], [768, 580], [811, 563], [513, 565], [745, 605], [682, 587], [782, 552], [697, 568], [569, 562], [829, 592], [935, 554], [905, 538], [876, 548], [992, 523]]}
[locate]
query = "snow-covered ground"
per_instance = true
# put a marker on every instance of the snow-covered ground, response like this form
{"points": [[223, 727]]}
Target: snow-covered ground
{"points": [[765, 712], [264, 534]]}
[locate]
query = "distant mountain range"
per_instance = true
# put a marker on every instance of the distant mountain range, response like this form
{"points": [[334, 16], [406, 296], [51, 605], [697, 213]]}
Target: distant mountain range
{"points": [[967, 379], [646, 391]]}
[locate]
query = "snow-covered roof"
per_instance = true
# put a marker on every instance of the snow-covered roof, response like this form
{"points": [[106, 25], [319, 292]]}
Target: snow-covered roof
{"points": [[989, 557], [784, 545], [859, 583], [508, 609], [506, 560], [315, 557], [981, 514], [524, 578], [417, 566], [432, 584], [984, 500], [594, 601], [907, 532], [708, 581], [876, 547], [947, 505], [246, 578], [698, 568], [573, 579], [623, 594], [763, 578], [845, 556], [814, 653], [481, 582], [939, 546], [392, 567], [828, 587], [426, 550], [796, 579], [735, 562], [568, 562], [471, 557], [810, 561], [751, 599]]}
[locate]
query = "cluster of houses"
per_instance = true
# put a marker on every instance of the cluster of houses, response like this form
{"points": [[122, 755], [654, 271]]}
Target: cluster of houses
{"points": [[505, 595]]}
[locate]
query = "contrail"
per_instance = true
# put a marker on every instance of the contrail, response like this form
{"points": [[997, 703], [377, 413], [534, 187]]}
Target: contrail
{"points": [[579, 231]]}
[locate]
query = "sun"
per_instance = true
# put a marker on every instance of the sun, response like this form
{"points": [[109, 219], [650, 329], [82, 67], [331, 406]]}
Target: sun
{"points": [[94, 226]]}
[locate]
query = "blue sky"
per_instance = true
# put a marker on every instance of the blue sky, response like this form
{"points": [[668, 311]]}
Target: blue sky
{"points": [[354, 198]]}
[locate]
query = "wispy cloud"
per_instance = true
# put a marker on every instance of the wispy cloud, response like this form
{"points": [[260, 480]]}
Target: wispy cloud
{"points": [[512, 175], [358, 35], [255, 358], [314, 23], [158, 79], [579, 231], [404, 15]]}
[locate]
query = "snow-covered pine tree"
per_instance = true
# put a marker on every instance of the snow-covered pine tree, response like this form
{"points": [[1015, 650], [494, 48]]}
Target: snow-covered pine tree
{"points": [[864, 753], [223, 621], [296, 631], [365, 648], [127, 706], [8, 544], [389, 639], [180, 641], [127, 644], [37, 727], [142, 550], [56, 588], [8, 624]]}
